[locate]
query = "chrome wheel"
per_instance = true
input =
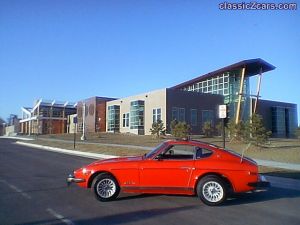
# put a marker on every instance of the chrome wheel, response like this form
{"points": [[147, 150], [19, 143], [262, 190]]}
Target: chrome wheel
{"points": [[212, 191], [106, 188]]}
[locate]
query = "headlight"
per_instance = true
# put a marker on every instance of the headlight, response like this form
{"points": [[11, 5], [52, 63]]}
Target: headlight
{"points": [[85, 171]]}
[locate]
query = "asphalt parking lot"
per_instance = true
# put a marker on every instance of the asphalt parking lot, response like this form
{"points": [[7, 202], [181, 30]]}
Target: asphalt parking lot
{"points": [[33, 191]]}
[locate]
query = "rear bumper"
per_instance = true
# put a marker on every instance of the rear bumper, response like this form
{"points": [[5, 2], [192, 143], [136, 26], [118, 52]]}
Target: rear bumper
{"points": [[71, 179], [261, 184]]}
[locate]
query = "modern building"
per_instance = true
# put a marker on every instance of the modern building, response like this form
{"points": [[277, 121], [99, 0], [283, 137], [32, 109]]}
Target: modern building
{"points": [[136, 114], [46, 117], [94, 111], [233, 82], [12, 128], [279, 117]]}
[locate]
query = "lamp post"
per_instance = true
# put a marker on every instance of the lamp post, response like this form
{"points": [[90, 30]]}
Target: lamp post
{"points": [[83, 137]]}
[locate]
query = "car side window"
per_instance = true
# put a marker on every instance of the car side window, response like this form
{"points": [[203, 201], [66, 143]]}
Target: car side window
{"points": [[179, 152], [203, 153]]}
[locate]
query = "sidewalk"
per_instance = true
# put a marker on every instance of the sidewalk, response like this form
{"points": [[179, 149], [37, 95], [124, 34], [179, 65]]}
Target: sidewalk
{"points": [[274, 164], [97, 143]]}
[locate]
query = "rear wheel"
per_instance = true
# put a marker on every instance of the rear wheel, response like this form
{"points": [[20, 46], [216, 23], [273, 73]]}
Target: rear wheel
{"points": [[105, 187], [212, 190]]}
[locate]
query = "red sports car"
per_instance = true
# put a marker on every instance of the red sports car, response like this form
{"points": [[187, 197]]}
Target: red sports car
{"points": [[173, 167]]}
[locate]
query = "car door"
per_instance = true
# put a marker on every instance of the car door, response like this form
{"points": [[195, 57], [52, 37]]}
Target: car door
{"points": [[170, 170]]}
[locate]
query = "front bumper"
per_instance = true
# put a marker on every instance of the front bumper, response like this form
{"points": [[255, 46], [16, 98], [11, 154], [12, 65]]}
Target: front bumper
{"points": [[261, 184], [71, 179]]}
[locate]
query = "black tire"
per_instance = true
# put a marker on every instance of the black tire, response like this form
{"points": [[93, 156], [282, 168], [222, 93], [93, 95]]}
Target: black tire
{"points": [[212, 190], [105, 187]]}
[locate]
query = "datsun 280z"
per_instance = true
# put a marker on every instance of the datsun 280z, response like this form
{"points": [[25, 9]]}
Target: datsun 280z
{"points": [[173, 167]]}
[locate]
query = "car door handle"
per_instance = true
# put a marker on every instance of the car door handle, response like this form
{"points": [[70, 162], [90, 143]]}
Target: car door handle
{"points": [[185, 168]]}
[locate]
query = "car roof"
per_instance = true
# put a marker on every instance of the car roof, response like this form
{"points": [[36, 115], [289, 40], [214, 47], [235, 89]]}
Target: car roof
{"points": [[192, 142]]}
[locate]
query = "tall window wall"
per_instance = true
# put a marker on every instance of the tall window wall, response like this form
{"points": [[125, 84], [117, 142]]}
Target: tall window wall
{"points": [[214, 85], [113, 122], [137, 109], [283, 120], [228, 85]]}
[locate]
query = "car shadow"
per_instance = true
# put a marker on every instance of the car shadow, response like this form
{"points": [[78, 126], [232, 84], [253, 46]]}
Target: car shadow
{"points": [[125, 197], [121, 218], [272, 193]]}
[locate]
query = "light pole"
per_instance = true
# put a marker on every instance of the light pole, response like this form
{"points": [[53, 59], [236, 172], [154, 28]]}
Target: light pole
{"points": [[83, 137]]}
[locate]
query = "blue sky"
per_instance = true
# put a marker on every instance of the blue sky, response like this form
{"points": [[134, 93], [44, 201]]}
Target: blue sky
{"points": [[71, 50]]}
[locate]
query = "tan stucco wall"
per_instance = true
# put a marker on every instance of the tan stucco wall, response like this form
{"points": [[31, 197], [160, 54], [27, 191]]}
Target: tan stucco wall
{"points": [[154, 99]]}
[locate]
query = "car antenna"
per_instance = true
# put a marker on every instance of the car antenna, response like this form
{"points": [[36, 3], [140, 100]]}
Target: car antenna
{"points": [[247, 147]]}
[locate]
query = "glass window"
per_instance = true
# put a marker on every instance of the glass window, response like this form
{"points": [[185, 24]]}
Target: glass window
{"points": [[179, 152], [203, 153], [181, 114], [175, 113], [178, 114], [156, 115], [207, 116], [126, 120], [137, 115], [215, 81], [194, 117], [113, 123], [226, 79]]}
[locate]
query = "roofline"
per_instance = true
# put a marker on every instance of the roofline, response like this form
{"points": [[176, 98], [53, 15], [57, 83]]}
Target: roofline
{"points": [[245, 63], [25, 110]]}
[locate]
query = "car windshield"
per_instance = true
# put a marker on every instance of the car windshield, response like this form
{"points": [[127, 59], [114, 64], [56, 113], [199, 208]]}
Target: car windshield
{"points": [[153, 152]]}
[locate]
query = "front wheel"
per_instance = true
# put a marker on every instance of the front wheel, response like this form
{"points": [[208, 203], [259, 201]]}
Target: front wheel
{"points": [[105, 187], [212, 190]]}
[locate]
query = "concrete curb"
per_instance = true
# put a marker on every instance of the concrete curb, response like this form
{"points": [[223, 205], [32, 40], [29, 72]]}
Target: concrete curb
{"points": [[68, 152], [17, 138]]}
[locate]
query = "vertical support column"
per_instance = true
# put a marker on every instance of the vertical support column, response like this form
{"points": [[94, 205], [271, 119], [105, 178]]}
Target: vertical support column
{"points": [[258, 90], [64, 121], [51, 124], [30, 124], [38, 121], [237, 118], [83, 137]]}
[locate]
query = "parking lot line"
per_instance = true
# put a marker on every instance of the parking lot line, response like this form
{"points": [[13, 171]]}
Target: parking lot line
{"points": [[59, 217]]}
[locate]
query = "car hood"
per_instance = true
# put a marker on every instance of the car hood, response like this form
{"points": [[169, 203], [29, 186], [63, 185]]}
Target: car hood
{"points": [[117, 160]]}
